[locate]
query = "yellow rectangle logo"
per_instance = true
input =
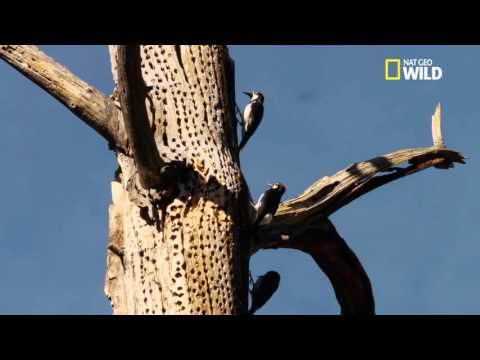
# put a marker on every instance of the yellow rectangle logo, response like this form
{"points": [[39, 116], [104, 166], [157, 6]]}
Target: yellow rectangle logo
{"points": [[388, 76]]}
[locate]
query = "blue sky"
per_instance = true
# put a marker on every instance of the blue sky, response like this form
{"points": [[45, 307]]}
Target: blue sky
{"points": [[326, 107]]}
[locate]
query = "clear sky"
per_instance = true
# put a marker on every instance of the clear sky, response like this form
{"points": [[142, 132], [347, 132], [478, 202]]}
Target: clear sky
{"points": [[326, 107]]}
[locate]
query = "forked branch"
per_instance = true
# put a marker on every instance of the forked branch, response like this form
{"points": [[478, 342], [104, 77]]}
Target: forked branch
{"points": [[302, 223]]}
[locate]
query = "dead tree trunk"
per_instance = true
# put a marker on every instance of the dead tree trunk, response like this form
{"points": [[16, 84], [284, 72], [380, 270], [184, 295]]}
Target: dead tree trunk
{"points": [[180, 229], [176, 250]]}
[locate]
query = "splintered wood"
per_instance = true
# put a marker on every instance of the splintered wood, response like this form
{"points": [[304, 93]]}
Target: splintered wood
{"points": [[331, 193]]}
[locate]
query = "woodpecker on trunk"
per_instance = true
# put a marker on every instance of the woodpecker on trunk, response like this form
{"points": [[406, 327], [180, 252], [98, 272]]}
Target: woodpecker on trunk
{"points": [[252, 116], [268, 203], [263, 289]]}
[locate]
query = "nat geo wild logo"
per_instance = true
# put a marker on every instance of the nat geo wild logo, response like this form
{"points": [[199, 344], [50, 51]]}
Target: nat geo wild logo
{"points": [[412, 69]]}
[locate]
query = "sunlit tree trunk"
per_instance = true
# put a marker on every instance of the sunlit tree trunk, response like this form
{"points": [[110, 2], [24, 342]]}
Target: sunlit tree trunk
{"points": [[182, 255]]}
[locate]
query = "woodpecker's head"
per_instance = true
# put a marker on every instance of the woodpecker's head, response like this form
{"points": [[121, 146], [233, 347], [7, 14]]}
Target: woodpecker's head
{"points": [[255, 96], [279, 187]]}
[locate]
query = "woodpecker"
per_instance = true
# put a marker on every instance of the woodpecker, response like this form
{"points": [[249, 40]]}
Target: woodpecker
{"points": [[263, 289], [268, 203], [252, 116]]}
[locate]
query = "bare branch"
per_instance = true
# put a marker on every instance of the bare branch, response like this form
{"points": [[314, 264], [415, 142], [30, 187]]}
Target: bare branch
{"points": [[302, 223], [331, 253], [97, 110], [133, 93], [331, 193]]}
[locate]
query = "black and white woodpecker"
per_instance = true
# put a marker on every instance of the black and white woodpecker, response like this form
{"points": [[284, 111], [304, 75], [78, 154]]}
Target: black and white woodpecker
{"points": [[268, 203], [252, 116], [263, 289]]}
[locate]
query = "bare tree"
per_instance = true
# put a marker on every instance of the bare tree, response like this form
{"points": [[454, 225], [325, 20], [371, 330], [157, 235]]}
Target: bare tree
{"points": [[180, 229]]}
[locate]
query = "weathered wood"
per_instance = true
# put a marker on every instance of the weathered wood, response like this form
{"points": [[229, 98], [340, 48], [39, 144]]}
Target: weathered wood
{"points": [[115, 284], [331, 193], [334, 257], [302, 223], [188, 254], [185, 257], [437, 127], [133, 96], [97, 110]]}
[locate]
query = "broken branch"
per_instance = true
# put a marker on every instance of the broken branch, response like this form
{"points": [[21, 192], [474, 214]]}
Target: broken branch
{"points": [[331, 193], [302, 223]]}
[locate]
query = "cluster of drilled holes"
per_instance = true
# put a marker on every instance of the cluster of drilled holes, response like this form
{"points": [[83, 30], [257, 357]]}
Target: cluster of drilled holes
{"points": [[140, 273], [220, 285], [177, 255], [197, 270], [190, 139], [180, 97]]}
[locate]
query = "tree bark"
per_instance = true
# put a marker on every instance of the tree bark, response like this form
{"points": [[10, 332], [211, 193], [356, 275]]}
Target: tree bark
{"points": [[180, 233], [180, 255]]}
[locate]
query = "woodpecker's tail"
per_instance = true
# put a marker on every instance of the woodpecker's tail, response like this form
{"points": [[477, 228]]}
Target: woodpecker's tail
{"points": [[243, 142]]}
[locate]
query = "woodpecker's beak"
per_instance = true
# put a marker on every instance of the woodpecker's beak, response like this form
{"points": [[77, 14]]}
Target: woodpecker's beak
{"points": [[248, 94], [273, 186]]}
